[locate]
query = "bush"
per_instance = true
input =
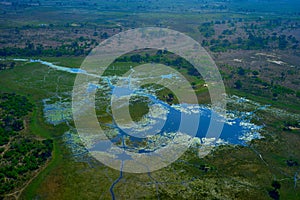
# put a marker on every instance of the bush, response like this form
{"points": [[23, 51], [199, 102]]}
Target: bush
{"points": [[241, 71], [255, 73], [238, 84]]}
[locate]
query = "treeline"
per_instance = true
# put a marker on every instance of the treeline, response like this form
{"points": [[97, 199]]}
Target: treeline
{"points": [[249, 81], [78, 47], [19, 154], [253, 42], [256, 38], [162, 57], [7, 65], [64, 50]]}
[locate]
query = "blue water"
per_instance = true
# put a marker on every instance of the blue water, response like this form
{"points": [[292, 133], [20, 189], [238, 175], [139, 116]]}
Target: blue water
{"points": [[168, 76], [92, 88], [232, 131]]}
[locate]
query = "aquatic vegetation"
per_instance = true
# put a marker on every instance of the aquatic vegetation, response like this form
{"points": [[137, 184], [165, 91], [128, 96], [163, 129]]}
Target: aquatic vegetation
{"points": [[58, 112], [160, 112]]}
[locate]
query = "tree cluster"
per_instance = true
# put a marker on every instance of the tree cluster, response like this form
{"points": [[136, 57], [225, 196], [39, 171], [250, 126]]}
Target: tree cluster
{"points": [[19, 154]]}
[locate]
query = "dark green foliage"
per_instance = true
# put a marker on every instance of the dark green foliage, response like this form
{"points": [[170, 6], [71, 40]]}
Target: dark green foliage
{"points": [[282, 42], [292, 163], [241, 71], [282, 90], [15, 105], [205, 43], [136, 58], [276, 185], [227, 32], [4, 139], [21, 154], [256, 42], [158, 56], [238, 84], [12, 109], [290, 123], [207, 29], [67, 50], [255, 73], [193, 72], [274, 194], [7, 65]]}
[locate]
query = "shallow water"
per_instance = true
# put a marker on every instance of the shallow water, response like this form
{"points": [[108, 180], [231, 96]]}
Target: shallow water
{"points": [[235, 131]]}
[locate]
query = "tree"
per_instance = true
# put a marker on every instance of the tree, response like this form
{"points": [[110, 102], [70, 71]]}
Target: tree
{"points": [[274, 194], [255, 73], [12, 65], [136, 58], [17, 125], [104, 35], [241, 71], [4, 140], [282, 42], [205, 43], [193, 85], [276, 185], [238, 84], [159, 52]]}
